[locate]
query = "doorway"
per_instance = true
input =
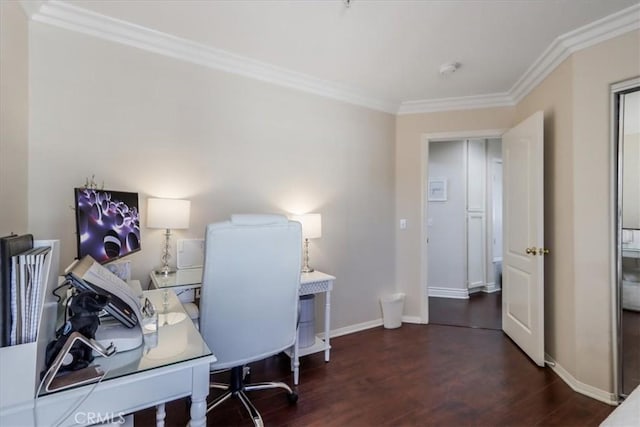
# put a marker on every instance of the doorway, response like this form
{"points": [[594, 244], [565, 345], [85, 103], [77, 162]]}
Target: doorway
{"points": [[464, 228], [523, 247]]}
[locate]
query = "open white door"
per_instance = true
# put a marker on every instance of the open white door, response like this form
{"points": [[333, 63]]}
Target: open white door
{"points": [[523, 234]]}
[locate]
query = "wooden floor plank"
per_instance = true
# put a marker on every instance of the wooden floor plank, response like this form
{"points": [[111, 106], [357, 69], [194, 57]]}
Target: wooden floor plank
{"points": [[480, 310], [417, 375]]}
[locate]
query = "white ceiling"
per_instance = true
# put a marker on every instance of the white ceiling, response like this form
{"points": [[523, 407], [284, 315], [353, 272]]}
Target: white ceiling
{"points": [[388, 50]]}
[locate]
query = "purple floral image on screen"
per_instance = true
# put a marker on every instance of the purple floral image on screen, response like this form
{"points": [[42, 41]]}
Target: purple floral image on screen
{"points": [[107, 223]]}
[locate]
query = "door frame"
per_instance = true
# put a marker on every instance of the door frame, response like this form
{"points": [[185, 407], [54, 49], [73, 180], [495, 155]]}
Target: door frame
{"points": [[424, 168]]}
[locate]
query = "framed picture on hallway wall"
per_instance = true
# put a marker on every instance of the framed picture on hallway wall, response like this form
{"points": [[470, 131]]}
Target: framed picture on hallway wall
{"points": [[437, 191]]}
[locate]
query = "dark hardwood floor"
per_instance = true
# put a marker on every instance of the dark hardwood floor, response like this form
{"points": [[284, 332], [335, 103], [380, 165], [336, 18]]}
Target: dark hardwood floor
{"points": [[417, 375], [481, 310]]}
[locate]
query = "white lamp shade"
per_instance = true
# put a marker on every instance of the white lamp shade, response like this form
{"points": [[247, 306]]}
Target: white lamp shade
{"points": [[168, 213], [311, 225]]}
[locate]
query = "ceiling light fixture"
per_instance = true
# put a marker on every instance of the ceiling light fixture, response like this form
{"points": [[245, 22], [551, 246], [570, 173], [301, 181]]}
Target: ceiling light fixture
{"points": [[449, 68]]}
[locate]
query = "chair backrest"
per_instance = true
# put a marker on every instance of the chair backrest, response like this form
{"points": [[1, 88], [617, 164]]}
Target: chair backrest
{"points": [[250, 287]]}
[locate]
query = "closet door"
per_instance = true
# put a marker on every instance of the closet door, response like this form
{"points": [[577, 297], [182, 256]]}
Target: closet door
{"points": [[628, 262]]}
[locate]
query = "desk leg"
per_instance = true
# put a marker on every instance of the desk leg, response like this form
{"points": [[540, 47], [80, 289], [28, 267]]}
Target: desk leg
{"points": [[327, 325], [199, 394], [160, 415]]}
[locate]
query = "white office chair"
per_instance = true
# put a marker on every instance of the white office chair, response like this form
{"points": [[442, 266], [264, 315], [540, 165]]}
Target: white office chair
{"points": [[249, 297]]}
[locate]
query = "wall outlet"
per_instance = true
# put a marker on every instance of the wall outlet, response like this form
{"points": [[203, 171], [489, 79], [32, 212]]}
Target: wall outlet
{"points": [[403, 224]]}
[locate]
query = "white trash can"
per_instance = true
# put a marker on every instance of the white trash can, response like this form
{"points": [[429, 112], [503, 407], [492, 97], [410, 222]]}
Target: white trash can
{"points": [[306, 325], [392, 307]]}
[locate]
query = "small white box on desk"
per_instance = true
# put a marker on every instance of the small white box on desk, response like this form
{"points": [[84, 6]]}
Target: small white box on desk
{"points": [[190, 253]]}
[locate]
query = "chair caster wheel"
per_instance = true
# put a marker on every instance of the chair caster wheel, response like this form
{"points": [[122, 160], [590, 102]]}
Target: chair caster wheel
{"points": [[293, 397]]}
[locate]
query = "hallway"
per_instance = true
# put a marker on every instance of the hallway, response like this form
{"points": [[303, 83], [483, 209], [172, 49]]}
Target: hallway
{"points": [[481, 310]]}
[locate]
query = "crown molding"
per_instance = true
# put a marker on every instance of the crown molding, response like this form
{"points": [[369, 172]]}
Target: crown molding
{"points": [[456, 103], [64, 15], [562, 47], [31, 7], [70, 17], [596, 32]]}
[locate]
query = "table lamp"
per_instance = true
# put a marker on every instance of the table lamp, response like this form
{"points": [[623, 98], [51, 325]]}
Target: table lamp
{"points": [[168, 214], [311, 229]]}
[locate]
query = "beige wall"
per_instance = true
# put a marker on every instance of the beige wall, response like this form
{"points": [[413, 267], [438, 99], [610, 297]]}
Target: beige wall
{"points": [[409, 168], [595, 69], [14, 118], [165, 128]]}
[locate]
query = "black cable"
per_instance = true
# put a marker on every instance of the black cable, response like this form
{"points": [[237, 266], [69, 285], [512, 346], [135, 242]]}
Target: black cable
{"points": [[65, 283]]}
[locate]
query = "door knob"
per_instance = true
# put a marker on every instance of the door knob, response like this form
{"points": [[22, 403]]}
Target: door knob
{"points": [[543, 251], [532, 251]]}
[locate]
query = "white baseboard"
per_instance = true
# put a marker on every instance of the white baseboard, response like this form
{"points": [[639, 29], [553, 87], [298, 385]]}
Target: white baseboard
{"points": [[355, 328], [448, 292], [491, 287], [580, 387], [367, 325], [412, 319], [476, 290]]}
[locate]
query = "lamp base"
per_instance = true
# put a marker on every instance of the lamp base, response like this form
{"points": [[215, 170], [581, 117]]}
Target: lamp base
{"points": [[305, 264], [165, 270]]}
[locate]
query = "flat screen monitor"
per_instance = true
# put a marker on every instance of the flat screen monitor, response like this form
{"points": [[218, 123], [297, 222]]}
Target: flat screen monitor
{"points": [[107, 223]]}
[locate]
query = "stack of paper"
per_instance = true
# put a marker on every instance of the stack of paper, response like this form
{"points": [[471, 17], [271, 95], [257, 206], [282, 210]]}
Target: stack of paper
{"points": [[29, 272]]}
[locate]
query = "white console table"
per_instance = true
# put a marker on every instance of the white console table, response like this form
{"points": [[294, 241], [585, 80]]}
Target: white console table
{"points": [[315, 282], [628, 252], [185, 282]]}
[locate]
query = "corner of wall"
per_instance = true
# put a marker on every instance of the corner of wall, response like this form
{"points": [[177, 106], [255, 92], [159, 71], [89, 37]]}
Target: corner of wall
{"points": [[14, 117]]}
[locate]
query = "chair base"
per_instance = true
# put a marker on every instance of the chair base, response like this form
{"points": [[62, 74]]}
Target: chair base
{"points": [[237, 388]]}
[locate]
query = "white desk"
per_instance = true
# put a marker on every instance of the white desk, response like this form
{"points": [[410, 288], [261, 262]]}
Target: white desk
{"points": [[136, 379], [315, 282]]}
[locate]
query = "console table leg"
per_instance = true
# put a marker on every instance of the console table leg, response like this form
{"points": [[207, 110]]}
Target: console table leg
{"points": [[296, 363], [160, 415], [327, 325]]}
